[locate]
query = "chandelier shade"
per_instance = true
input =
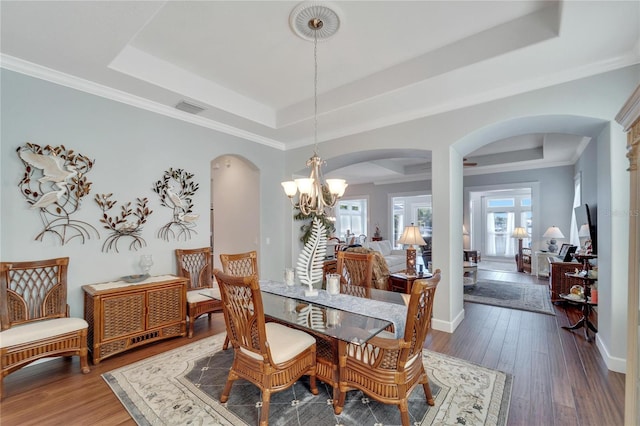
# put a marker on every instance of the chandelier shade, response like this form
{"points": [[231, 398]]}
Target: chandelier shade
{"points": [[313, 22]]}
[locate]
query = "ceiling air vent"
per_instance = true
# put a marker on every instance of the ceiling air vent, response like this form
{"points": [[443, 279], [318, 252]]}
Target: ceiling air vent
{"points": [[189, 107]]}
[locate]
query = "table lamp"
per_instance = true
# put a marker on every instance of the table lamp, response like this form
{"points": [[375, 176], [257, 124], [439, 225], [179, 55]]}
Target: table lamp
{"points": [[411, 236], [553, 232], [520, 233]]}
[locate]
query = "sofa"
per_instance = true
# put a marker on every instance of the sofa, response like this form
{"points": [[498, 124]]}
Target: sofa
{"points": [[396, 259]]}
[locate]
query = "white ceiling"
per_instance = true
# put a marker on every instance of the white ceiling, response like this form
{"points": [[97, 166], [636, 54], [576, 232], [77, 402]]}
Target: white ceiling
{"points": [[390, 61]]}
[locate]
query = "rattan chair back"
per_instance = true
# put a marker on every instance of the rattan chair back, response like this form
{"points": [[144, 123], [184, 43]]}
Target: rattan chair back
{"points": [[388, 369], [243, 312], [240, 264], [195, 264], [33, 296], [356, 271], [33, 291]]}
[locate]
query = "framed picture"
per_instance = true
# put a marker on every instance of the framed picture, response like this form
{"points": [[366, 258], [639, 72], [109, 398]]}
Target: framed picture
{"points": [[566, 251]]}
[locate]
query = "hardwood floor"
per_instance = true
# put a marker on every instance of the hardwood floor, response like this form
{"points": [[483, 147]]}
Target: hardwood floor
{"points": [[558, 377]]}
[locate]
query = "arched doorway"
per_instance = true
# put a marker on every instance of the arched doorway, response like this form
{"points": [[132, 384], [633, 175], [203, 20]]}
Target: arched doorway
{"points": [[235, 206]]}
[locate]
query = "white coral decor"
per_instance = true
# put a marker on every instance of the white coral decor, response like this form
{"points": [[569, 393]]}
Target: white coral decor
{"points": [[311, 258]]}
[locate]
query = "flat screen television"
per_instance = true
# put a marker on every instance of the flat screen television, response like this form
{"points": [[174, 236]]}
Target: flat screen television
{"points": [[587, 214]]}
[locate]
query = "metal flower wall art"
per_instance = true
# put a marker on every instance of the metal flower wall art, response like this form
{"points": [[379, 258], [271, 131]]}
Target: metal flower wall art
{"points": [[126, 225], [176, 189], [54, 183]]}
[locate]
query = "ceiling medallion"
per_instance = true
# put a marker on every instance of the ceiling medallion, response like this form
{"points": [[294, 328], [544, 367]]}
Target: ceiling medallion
{"points": [[313, 19]]}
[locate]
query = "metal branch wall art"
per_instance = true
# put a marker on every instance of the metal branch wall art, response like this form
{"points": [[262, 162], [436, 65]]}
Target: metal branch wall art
{"points": [[121, 226], [175, 190], [55, 183]]}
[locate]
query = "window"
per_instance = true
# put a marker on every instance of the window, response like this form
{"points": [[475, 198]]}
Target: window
{"points": [[411, 209], [502, 214], [351, 217]]}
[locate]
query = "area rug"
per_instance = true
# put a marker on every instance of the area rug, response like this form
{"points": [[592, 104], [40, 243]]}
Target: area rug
{"points": [[526, 297], [183, 386]]}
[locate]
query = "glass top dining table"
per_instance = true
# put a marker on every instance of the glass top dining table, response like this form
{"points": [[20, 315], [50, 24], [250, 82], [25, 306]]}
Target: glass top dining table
{"points": [[343, 317]]}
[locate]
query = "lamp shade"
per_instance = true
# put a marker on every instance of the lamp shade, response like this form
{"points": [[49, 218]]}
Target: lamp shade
{"points": [[464, 230], [520, 232], [584, 231], [411, 235], [553, 232]]}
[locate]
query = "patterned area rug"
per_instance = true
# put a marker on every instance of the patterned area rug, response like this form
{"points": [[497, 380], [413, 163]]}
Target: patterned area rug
{"points": [[526, 297], [183, 386]]}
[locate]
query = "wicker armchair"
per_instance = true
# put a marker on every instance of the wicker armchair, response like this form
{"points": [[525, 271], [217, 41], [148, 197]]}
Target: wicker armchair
{"points": [[202, 296], [34, 316], [388, 369], [269, 355], [380, 273], [355, 271]]}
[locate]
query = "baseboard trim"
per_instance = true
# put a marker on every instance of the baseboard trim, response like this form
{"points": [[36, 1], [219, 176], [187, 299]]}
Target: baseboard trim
{"points": [[448, 326], [619, 365]]}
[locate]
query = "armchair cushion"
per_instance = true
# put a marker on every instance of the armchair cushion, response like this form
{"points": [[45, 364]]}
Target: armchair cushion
{"points": [[38, 330]]}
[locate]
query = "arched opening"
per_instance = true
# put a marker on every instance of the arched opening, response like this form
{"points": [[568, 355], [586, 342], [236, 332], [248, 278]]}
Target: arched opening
{"points": [[235, 206]]}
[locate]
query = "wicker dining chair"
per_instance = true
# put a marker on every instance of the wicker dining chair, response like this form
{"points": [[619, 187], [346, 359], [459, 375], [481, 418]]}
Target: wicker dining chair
{"points": [[269, 355], [356, 271], [388, 369], [203, 297], [34, 316], [240, 264]]}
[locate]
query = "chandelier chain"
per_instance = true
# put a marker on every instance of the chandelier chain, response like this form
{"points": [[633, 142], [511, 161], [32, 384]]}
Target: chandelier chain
{"points": [[315, 195], [315, 91]]}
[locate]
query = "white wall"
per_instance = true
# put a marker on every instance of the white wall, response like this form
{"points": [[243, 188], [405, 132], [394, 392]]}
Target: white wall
{"points": [[132, 149], [236, 205]]}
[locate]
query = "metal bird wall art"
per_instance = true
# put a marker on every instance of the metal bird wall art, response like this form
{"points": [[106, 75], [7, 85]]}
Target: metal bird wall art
{"points": [[128, 224], [176, 189], [54, 183]]}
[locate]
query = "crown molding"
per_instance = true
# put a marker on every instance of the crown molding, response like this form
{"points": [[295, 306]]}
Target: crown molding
{"points": [[47, 74], [630, 111]]}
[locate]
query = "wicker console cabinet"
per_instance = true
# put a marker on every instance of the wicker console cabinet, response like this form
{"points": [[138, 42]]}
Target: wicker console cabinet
{"points": [[122, 316]]}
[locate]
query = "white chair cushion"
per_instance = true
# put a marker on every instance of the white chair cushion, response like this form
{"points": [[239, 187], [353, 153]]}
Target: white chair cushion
{"points": [[285, 343], [385, 247], [33, 331], [199, 295]]}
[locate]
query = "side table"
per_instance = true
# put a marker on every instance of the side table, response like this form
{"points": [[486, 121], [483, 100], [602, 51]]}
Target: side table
{"points": [[402, 282], [469, 273], [586, 306]]}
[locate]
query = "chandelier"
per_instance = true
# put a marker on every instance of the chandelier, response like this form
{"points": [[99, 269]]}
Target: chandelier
{"points": [[312, 21]]}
